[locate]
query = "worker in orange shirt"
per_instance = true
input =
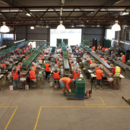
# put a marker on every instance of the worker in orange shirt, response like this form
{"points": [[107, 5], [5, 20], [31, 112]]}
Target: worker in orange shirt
{"points": [[93, 48], [71, 63], [122, 57], [99, 74], [34, 66], [27, 57], [42, 57], [59, 64], [4, 65], [32, 74], [90, 61], [47, 69], [56, 75], [59, 55], [76, 74], [15, 74], [103, 49], [19, 67], [65, 81]]}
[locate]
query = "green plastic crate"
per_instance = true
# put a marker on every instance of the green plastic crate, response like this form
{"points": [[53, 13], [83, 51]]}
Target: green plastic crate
{"points": [[80, 86]]}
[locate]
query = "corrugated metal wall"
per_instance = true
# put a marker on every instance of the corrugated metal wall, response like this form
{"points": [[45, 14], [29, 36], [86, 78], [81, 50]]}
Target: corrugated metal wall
{"points": [[90, 33], [24, 32]]}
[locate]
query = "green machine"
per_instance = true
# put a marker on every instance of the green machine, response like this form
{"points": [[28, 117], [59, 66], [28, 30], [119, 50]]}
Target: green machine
{"points": [[86, 42], [65, 41], [107, 43], [58, 41]]}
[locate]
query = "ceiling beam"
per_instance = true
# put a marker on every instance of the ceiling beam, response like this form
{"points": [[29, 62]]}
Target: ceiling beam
{"points": [[44, 13], [66, 7], [104, 19]]}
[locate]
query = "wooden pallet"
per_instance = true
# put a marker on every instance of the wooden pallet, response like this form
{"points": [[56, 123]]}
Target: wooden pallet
{"points": [[126, 99]]}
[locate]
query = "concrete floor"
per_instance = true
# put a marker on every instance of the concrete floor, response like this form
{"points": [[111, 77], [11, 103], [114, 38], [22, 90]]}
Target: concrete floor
{"points": [[48, 109]]}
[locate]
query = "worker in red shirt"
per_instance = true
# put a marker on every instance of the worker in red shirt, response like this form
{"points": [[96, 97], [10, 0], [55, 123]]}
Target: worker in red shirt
{"points": [[99, 75], [65, 81], [116, 74]]}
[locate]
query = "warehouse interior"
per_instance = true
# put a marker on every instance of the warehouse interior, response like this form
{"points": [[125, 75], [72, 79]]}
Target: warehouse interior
{"points": [[64, 64]]}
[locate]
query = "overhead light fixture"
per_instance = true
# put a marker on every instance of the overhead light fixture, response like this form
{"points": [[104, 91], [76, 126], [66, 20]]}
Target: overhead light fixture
{"points": [[116, 26], [61, 27], [87, 20], [124, 13], [98, 25], [32, 27], [72, 26], [47, 26], [28, 14], [4, 28]]}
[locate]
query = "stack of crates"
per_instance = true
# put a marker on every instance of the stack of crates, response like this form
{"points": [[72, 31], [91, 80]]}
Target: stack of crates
{"points": [[80, 87]]}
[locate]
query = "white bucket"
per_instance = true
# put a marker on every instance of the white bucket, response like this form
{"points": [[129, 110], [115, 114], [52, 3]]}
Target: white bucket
{"points": [[11, 87], [26, 86], [51, 84]]}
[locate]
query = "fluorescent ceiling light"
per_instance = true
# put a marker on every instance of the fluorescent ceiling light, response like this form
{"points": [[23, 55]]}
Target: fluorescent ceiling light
{"points": [[72, 26], [61, 27], [47, 26], [32, 27], [116, 26], [124, 13], [98, 25], [4, 28], [28, 14]]}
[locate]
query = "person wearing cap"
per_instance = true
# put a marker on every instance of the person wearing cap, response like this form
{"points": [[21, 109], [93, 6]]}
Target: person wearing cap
{"points": [[34, 67], [71, 63], [65, 82], [99, 75], [15, 74], [76, 74], [32, 74], [47, 69], [116, 74], [122, 57], [56, 75]]}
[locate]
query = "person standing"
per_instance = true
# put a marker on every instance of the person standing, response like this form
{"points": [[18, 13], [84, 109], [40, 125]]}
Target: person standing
{"points": [[47, 69], [15, 74], [99, 74], [116, 75]]}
